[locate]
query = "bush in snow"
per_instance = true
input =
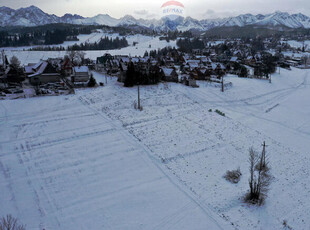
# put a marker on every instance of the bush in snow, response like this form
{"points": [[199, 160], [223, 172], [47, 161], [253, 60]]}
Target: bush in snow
{"points": [[10, 223], [220, 113], [233, 176], [92, 82], [286, 226]]}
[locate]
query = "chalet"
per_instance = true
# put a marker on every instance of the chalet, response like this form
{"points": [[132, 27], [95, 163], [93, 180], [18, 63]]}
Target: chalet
{"points": [[203, 73], [188, 80], [102, 61], [218, 68], [122, 73], [80, 74], [66, 67], [45, 72], [250, 60], [169, 74]]}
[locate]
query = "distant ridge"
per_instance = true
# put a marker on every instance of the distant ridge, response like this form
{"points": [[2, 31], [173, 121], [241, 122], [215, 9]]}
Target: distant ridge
{"points": [[33, 16]]}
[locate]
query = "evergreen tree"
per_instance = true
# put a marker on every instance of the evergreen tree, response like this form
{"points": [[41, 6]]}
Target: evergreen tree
{"points": [[130, 75]]}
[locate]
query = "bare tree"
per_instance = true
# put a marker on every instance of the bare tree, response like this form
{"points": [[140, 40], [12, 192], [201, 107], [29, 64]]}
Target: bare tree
{"points": [[252, 161], [76, 57], [10, 223], [259, 177]]}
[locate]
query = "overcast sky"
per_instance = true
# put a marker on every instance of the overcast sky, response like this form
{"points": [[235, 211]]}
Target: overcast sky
{"points": [[151, 8]]}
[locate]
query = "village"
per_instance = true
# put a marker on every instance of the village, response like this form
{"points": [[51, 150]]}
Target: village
{"points": [[258, 58], [116, 117]]}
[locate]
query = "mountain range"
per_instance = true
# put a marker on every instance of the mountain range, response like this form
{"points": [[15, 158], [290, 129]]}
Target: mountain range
{"points": [[33, 16]]}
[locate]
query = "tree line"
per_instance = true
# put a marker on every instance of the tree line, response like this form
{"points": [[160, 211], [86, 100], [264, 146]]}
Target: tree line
{"points": [[105, 43], [40, 37], [187, 45]]}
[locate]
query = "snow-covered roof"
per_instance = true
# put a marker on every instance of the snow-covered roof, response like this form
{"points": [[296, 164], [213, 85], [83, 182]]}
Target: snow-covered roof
{"points": [[206, 59], [193, 61], [167, 71], [80, 69], [193, 64], [234, 59], [29, 69], [124, 59], [40, 70], [134, 60], [36, 66]]}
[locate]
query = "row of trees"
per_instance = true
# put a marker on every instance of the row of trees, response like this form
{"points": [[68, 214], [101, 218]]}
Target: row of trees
{"points": [[187, 45], [135, 77], [40, 37], [105, 43]]}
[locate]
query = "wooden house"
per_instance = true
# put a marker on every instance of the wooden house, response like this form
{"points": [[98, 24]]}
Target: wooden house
{"points": [[169, 74], [45, 72], [80, 74]]}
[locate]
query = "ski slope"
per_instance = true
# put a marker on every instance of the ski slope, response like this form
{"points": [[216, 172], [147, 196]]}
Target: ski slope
{"points": [[91, 161], [144, 43]]}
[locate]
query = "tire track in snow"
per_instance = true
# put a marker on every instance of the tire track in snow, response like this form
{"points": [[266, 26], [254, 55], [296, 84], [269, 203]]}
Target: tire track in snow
{"points": [[181, 187]]}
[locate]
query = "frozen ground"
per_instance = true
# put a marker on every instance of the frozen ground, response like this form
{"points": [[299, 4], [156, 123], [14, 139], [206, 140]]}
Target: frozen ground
{"points": [[299, 44], [63, 165], [91, 161], [145, 43]]}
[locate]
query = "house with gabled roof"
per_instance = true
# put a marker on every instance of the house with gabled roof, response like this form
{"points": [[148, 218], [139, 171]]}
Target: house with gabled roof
{"points": [[44, 72], [169, 74]]}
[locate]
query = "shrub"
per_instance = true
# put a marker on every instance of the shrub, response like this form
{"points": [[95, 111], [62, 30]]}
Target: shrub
{"points": [[233, 176], [92, 82], [10, 223], [220, 113], [286, 226]]}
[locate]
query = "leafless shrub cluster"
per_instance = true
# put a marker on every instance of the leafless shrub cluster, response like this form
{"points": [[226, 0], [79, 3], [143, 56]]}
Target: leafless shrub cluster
{"points": [[233, 176], [10, 223]]}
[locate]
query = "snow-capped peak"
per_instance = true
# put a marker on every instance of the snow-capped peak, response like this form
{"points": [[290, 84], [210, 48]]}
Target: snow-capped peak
{"points": [[33, 16]]}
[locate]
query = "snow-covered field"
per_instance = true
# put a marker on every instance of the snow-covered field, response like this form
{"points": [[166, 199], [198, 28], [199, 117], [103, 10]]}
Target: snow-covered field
{"points": [[91, 161], [299, 44], [145, 43]]}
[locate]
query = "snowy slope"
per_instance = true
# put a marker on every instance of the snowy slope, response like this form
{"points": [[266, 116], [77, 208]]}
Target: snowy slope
{"points": [[63, 165], [144, 43], [198, 146], [91, 161]]}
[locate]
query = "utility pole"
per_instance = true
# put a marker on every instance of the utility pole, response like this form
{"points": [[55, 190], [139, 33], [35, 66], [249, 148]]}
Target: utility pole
{"points": [[222, 83], [139, 97], [263, 160], [270, 78]]}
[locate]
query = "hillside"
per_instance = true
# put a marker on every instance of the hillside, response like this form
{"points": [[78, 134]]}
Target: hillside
{"points": [[91, 161]]}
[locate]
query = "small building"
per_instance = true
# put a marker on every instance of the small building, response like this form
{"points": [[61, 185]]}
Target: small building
{"points": [[169, 74], [45, 73], [80, 74], [66, 67]]}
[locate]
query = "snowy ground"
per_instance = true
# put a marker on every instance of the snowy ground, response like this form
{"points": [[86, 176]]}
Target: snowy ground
{"points": [[91, 161], [145, 43], [299, 44]]}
